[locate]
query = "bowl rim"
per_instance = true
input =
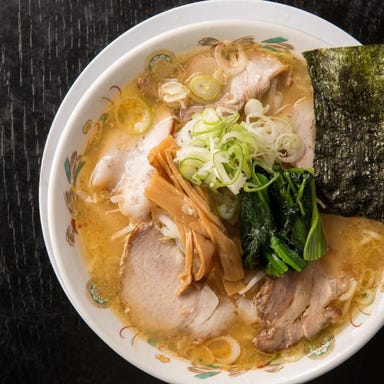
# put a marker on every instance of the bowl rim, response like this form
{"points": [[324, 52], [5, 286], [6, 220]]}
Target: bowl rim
{"points": [[55, 137]]}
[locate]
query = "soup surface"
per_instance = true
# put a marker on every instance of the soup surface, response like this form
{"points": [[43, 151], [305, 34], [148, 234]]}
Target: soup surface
{"points": [[127, 196]]}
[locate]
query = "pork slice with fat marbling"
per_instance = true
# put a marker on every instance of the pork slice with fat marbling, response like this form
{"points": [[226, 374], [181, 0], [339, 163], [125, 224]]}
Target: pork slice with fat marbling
{"points": [[302, 117], [252, 82], [327, 286], [284, 328], [150, 271], [126, 172], [255, 80], [275, 296], [303, 306]]}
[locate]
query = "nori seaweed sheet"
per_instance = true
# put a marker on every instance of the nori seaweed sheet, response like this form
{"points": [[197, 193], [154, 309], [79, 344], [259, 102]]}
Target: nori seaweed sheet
{"points": [[348, 86]]}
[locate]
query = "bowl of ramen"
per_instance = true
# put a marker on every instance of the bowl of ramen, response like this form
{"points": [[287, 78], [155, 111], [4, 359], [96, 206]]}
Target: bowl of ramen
{"points": [[192, 214]]}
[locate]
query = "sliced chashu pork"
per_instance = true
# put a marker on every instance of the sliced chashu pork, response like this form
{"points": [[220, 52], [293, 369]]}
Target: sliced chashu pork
{"points": [[304, 309], [255, 80], [150, 271], [126, 172], [302, 117], [282, 320], [252, 82]]}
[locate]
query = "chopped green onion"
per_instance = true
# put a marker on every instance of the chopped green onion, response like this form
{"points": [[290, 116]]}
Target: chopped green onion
{"points": [[210, 116], [161, 65], [205, 88], [134, 115], [230, 149]]}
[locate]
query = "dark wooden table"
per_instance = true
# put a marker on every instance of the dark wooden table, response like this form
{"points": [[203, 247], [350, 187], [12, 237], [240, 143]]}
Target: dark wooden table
{"points": [[44, 45]]}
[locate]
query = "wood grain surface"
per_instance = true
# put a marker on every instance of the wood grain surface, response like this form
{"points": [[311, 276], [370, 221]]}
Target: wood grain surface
{"points": [[44, 45]]}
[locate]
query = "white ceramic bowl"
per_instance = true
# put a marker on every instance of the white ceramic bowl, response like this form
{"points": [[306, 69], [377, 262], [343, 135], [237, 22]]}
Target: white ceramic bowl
{"points": [[176, 30]]}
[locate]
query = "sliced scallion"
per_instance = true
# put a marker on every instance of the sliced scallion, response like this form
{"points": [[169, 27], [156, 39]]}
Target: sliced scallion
{"points": [[205, 88]]}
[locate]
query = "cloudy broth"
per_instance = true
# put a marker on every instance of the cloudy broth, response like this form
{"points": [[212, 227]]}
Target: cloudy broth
{"points": [[355, 245]]}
